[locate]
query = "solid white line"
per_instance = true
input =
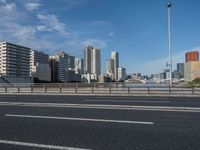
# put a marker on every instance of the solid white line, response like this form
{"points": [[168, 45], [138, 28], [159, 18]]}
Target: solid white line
{"points": [[80, 119], [127, 101], [139, 98], [39, 145], [103, 106]]}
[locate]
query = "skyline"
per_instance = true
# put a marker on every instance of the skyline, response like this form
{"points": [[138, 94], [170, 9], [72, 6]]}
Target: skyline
{"points": [[140, 37]]}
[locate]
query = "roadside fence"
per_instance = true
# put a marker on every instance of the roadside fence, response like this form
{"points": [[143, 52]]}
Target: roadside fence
{"points": [[97, 88]]}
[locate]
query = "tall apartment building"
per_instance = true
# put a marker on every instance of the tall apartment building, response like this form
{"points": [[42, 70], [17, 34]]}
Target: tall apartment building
{"points": [[180, 69], [92, 60], [87, 59], [60, 63], [121, 74], [115, 57], [191, 66], [96, 62], [192, 56], [110, 68], [39, 66], [14, 60], [78, 65], [71, 62], [191, 70], [53, 62]]}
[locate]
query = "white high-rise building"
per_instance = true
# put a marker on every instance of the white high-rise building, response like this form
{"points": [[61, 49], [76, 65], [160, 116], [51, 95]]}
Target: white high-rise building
{"points": [[39, 66], [121, 74], [96, 62], [61, 61], [71, 62], [78, 65], [110, 68], [115, 57], [87, 59], [92, 60], [14, 60]]}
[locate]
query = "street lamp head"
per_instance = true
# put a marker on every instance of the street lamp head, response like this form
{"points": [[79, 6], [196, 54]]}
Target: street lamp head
{"points": [[169, 5]]}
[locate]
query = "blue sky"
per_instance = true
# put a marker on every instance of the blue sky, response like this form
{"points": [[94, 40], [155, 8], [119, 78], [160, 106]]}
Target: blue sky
{"points": [[137, 29]]}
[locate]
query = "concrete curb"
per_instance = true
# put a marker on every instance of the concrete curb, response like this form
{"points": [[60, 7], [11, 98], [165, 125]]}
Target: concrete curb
{"points": [[111, 95]]}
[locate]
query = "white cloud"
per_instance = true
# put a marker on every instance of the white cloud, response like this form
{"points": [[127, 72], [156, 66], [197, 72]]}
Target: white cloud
{"points": [[157, 66], [111, 34], [45, 32], [3, 1], [95, 42], [40, 28], [74, 3], [9, 7], [52, 23], [32, 6]]}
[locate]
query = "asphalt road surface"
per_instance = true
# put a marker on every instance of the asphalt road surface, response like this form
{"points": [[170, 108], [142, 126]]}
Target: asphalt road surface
{"points": [[99, 123]]}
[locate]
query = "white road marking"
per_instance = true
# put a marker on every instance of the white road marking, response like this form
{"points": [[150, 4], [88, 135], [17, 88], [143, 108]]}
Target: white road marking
{"points": [[138, 98], [100, 106], [127, 101], [39, 145], [80, 119]]}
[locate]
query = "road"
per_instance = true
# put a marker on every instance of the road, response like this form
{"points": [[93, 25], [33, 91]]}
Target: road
{"points": [[99, 123]]}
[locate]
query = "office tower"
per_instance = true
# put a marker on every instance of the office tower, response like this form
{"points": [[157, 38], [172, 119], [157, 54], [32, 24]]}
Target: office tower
{"points": [[192, 56], [121, 74], [62, 67], [71, 62], [180, 69], [115, 57], [54, 68], [39, 66], [192, 66], [14, 60], [110, 68], [78, 65], [92, 60], [191, 70], [87, 59], [95, 62], [177, 74]]}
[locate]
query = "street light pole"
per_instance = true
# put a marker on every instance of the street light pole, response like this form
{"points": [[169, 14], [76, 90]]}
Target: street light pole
{"points": [[169, 5]]}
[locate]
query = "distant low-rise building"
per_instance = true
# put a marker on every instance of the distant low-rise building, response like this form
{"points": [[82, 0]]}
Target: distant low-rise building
{"points": [[192, 56], [180, 69], [121, 74], [78, 65], [53, 61], [61, 69], [157, 77], [39, 66], [110, 68], [191, 70], [88, 78], [177, 74]]}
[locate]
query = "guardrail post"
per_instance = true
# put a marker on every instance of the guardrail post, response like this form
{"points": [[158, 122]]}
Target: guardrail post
{"points": [[92, 90], [60, 87], [148, 90], [193, 90], [6, 90], [18, 90], [170, 91], [75, 89], [109, 90], [31, 89], [45, 88], [128, 90]]}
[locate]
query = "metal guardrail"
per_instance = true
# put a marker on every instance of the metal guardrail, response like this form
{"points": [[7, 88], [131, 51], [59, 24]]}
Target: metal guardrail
{"points": [[94, 88]]}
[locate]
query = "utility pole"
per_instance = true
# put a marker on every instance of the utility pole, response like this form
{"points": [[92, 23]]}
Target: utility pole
{"points": [[169, 5]]}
